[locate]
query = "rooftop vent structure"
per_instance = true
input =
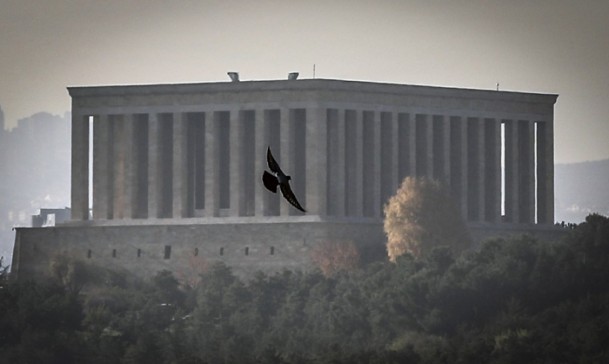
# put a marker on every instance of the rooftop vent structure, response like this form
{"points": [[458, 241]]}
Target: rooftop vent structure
{"points": [[234, 76], [292, 76]]}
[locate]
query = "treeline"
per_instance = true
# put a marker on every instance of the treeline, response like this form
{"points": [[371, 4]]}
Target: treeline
{"points": [[510, 301]]}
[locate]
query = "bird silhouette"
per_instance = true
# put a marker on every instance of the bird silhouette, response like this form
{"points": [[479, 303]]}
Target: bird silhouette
{"points": [[278, 178]]}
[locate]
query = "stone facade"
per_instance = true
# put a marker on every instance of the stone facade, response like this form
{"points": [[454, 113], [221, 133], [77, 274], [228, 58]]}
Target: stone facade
{"points": [[184, 161], [188, 248]]}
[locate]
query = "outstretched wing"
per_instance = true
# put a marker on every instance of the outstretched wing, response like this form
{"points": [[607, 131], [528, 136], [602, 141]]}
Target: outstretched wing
{"points": [[286, 191], [270, 181], [273, 166]]}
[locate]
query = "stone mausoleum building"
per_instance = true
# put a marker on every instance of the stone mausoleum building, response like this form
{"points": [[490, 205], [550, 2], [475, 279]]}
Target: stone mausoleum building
{"points": [[176, 169]]}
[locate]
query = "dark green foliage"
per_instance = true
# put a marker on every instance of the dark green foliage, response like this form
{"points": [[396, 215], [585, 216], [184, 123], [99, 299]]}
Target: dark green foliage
{"points": [[512, 301], [39, 323]]}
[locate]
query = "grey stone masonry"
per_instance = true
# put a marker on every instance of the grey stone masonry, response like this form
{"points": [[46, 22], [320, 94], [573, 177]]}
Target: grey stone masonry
{"points": [[176, 170], [347, 144]]}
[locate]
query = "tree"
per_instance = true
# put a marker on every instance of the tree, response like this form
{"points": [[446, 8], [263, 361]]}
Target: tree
{"points": [[71, 273], [3, 271], [332, 256], [422, 216]]}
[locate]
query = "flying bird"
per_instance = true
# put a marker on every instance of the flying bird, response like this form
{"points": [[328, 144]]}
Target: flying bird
{"points": [[278, 178]]}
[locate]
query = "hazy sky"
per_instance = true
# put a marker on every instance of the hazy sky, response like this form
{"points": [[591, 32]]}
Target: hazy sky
{"points": [[547, 46]]}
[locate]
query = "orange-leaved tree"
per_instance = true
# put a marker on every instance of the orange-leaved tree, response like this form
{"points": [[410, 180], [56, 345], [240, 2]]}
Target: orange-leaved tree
{"points": [[422, 216], [332, 256]]}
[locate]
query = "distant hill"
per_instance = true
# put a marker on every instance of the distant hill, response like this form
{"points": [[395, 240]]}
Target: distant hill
{"points": [[581, 189], [34, 172]]}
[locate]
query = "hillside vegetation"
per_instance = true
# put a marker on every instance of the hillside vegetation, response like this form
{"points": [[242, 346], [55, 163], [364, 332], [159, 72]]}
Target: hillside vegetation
{"points": [[516, 301]]}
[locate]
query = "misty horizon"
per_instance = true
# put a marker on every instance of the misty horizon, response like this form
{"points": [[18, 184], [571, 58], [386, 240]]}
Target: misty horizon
{"points": [[546, 47]]}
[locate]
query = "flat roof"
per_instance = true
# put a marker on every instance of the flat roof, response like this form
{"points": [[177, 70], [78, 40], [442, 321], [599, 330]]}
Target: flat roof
{"points": [[316, 84]]}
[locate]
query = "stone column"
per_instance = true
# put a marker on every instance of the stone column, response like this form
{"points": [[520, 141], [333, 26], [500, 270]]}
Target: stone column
{"points": [[260, 162], [424, 145], [339, 173], [512, 175], [481, 162], [527, 172], [464, 167], [130, 189], [375, 149], [316, 144], [545, 172], [212, 183], [389, 155], [154, 170], [299, 172], [446, 172], [412, 145], [359, 164], [429, 145], [335, 168], [100, 167], [352, 165], [493, 170], [118, 164], [237, 197], [180, 166], [286, 146], [80, 166], [395, 153]]}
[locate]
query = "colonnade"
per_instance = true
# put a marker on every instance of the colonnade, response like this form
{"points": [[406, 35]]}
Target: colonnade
{"points": [[345, 161]]}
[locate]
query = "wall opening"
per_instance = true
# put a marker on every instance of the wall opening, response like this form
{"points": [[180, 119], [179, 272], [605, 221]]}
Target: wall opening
{"points": [[272, 250], [167, 253], [247, 250], [89, 254], [511, 171], [503, 169], [113, 253], [535, 217], [91, 121], [221, 251], [139, 253]]}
